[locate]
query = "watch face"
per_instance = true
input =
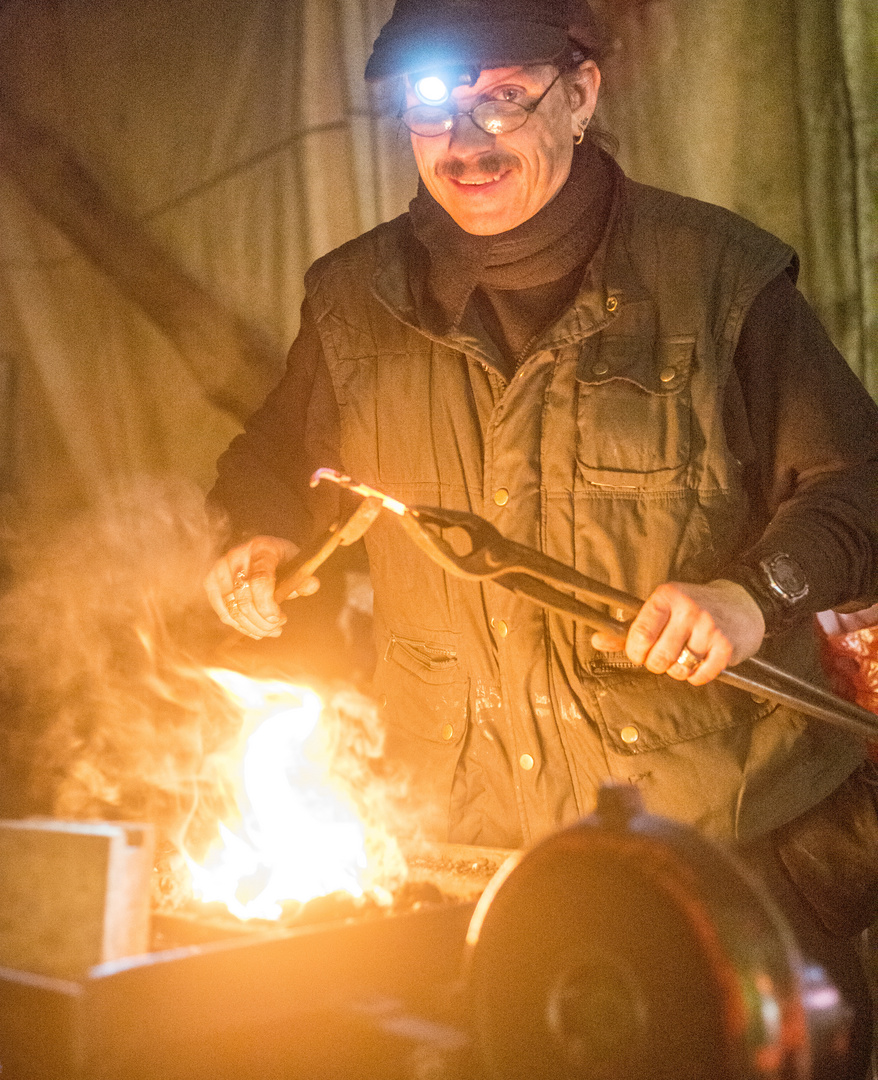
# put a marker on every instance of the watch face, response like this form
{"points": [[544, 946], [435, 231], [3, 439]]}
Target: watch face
{"points": [[786, 578]]}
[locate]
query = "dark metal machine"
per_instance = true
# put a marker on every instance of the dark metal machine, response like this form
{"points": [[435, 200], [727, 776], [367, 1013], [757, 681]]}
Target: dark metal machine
{"points": [[630, 948]]}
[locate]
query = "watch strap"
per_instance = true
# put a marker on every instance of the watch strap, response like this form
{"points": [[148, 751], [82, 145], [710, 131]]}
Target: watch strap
{"points": [[778, 613]]}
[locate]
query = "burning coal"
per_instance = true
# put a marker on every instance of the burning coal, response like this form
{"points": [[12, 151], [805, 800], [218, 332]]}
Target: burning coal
{"points": [[295, 833]]}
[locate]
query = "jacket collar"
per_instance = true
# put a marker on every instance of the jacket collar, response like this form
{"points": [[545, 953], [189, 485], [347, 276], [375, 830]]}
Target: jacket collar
{"points": [[609, 286]]}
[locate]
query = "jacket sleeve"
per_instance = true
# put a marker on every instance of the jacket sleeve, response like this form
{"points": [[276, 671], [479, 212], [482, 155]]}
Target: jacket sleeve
{"points": [[262, 479], [807, 433]]}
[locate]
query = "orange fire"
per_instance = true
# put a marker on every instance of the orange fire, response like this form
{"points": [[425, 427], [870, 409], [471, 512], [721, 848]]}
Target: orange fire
{"points": [[295, 837]]}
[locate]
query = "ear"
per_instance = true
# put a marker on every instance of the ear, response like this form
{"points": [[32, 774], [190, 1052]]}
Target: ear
{"points": [[582, 87]]}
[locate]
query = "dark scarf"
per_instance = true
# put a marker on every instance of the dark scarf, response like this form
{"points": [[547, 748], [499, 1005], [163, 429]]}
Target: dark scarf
{"points": [[546, 249]]}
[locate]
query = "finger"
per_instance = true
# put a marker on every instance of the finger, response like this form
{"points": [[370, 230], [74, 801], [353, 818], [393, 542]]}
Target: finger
{"points": [[659, 637], [230, 615], [606, 642], [256, 600], [647, 626], [234, 613], [681, 659], [308, 587], [218, 586], [714, 664], [245, 610], [228, 589], [709, 643], [716, 660]]}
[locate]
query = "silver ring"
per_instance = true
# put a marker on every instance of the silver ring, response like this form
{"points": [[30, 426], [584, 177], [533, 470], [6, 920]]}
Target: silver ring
{"points": [[231, 602], [688, 659], [241, 581]]}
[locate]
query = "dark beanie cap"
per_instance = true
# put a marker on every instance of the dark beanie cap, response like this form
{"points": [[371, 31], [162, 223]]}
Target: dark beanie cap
{"points": [[482, 33]]}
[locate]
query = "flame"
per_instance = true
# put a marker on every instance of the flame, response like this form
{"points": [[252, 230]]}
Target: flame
{"points": [[295, 837]]}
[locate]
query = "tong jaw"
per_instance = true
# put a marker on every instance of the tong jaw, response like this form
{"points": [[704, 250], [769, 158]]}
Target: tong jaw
{"points": [[387, 503]]}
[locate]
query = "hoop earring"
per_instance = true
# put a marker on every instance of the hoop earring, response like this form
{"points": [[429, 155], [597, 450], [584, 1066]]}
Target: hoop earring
{"points": [[582, 126]]}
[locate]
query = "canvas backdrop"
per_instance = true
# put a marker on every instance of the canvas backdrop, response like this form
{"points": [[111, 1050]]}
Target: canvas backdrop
{"points": [[170, 168]]}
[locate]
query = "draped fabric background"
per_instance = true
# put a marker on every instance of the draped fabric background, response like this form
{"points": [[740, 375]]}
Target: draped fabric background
{"points": [[169, 169]]}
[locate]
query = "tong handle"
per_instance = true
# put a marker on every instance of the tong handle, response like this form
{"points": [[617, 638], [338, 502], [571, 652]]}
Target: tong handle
{"points": [[547, 596], [347, 534]]}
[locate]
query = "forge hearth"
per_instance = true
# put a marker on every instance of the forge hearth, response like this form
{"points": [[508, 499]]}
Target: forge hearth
{"points": [[219, 999]]}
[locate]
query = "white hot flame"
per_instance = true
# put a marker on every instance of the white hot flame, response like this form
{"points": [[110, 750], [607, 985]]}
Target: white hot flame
{"points": [[297, 838]]}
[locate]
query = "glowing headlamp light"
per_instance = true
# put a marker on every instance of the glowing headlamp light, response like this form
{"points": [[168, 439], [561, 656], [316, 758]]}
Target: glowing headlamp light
{"points": [[432, 90], [434, 87]]}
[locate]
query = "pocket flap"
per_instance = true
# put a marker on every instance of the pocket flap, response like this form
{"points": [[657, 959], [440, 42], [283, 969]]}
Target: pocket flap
{"points": [[431, 661], [662, 366], [423, 689]]}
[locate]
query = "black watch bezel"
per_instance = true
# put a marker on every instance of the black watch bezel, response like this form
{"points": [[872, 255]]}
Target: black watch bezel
{"points": [[784, 577]]}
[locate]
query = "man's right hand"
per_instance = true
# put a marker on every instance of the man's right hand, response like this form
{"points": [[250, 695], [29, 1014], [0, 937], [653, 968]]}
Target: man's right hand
{"points": [[241, 583]]}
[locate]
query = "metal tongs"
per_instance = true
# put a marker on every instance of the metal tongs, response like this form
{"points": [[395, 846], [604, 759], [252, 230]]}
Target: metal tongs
{"points": [[489, 555]]}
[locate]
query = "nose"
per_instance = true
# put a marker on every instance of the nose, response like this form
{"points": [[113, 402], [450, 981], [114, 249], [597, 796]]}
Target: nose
{"points": [[467, 137]]}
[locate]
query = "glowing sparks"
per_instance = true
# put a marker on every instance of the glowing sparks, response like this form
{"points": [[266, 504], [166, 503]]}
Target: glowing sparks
{"points": [[296, 838]]}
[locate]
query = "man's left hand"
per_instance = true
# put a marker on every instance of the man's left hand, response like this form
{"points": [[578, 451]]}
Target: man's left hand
{"points": [[708, 627]]}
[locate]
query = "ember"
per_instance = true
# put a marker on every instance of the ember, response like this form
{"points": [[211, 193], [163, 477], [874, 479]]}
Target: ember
{"points": [[292, 834]]}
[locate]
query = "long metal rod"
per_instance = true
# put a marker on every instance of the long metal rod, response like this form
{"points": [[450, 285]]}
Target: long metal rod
{"points": [[821, 706]]}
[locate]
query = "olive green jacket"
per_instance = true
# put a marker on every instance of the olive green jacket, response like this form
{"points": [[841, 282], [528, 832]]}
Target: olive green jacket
{"points": [[607, 451]]}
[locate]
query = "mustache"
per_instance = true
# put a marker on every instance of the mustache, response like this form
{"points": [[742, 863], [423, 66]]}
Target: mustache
{"points": [[489, 164]]}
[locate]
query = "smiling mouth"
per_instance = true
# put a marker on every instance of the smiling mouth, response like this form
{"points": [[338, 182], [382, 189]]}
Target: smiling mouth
{"points": [[477, 181]]}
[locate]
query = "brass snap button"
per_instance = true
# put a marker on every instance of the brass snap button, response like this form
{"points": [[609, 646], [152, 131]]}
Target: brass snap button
{"points": [[501, 496], [447, 732], [601, 368], [668, 374], [500, 626], [526, 762], [629, 734], [612, 303]]}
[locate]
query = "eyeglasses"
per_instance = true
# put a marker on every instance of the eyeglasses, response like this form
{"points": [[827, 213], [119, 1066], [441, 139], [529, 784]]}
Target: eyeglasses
{"points": [[494, 117]]}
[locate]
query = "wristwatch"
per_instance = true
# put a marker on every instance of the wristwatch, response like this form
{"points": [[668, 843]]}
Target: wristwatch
{"points": [[778, 585]]}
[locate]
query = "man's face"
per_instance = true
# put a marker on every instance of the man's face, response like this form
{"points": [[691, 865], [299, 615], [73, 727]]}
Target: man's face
{"points": [[492, 183]]}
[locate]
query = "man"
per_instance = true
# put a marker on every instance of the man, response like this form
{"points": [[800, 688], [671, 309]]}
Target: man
{"points": [[620, 377]]}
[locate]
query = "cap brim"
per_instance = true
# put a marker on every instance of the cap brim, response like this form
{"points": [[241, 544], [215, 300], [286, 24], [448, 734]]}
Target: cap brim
{"points": [[497, 44]]}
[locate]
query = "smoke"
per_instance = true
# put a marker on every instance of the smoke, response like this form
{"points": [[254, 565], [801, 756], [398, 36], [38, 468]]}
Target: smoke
{"points": [[108, 711], [106, 639]]}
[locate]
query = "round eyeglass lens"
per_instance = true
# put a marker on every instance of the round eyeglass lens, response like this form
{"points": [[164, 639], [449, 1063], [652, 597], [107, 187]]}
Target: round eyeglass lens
{"points": [[499, 117], [427, 120]]}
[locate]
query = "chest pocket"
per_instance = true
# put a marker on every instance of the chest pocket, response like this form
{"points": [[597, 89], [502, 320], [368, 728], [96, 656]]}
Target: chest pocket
{"points": [[634, 411]]}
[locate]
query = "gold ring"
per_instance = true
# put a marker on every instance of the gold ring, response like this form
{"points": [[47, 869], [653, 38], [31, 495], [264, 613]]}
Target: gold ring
{"points": [[688, 659], [241, 581], [230, 601]]}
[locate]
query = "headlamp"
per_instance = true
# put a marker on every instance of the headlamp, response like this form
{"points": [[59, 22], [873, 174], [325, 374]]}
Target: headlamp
{"points": [[432, 90], [433, 87]]}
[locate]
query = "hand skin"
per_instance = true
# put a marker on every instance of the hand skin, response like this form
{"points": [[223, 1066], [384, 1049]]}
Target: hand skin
{"points": [[719, 621], [255, 612]]}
